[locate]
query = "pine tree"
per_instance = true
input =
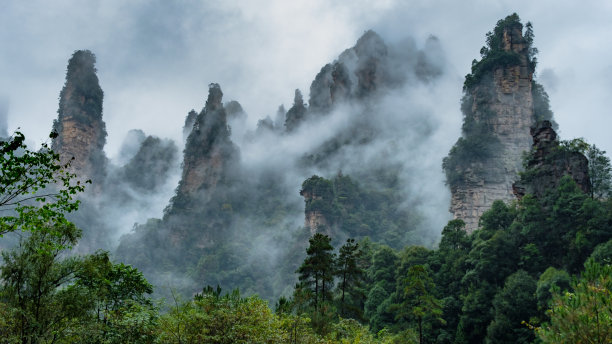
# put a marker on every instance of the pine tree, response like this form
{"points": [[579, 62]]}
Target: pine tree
{"points": [[316, 273], [350, 274]]}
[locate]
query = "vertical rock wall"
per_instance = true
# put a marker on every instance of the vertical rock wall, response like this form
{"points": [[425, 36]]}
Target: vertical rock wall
{"points": [[502, 101], [81, 131], [209, 152]]}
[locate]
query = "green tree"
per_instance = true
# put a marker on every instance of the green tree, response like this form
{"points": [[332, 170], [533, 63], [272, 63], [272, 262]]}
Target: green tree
{"points": [[550, 279], [33, 285], [419, 303], [350, 274], [382, 284], [600, 172], [215, 318], [450, 264], [584, 315], [316, 273], [513, 305], [35, 188]]}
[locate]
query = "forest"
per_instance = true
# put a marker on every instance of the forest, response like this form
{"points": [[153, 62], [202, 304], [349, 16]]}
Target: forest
{"points": [[537, 269]]}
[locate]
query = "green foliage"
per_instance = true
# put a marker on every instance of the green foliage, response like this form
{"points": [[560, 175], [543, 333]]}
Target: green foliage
{"points": [[215, 318], [600, 173], [48, 297], [584, 315], [513, 305], [35, 188], [33, 280], [541, 104], [45, 295], [550, 279], [493, 54], [350, 275], [316, 274], [602, 253], [357, 212], [419, 304], [477, 143]]}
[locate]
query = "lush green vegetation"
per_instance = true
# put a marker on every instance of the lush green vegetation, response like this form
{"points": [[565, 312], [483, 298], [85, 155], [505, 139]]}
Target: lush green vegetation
{"points": [[478, 141], [493, 55], [356, 211]]}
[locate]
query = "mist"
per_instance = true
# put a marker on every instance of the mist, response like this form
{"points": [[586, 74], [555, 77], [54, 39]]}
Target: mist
{"points": [[155, 60]]}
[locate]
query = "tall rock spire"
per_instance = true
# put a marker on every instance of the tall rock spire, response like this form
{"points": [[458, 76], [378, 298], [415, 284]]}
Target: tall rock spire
{"points": [[81, 130], [209, 151], [498, 109]]}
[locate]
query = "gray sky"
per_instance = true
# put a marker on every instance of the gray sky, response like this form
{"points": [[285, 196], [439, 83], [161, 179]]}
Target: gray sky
{"points": [[156, 58]]}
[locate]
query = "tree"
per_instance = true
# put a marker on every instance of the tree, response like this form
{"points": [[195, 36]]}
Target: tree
{"points": [[585, 315], [600, 172], [34, 187], [45, 294], [350, 274], [382, 284], [316, 272], [419, 303], [215, 318], [33, 285], [513, 305]]}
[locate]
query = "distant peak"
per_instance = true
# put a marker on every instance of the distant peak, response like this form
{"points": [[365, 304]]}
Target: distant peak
{"points": [[370, 43], [215, 97], [82, 61]]}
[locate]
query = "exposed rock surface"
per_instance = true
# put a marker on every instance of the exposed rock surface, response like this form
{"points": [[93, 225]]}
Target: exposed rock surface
{"points": [[549, 162], [209, 155], [318, 196], [81, 131], [363, 71], [498, 113]]}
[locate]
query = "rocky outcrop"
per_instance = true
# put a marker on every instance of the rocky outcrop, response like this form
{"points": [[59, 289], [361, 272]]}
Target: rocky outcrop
{"points": [[189, 122], [80, 128], [149, 169], [549, 162], [209, 155], [318, 196], [363, 71], [499, 112], [296, 114]]}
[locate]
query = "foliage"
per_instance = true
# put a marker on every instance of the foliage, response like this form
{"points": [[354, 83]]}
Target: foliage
{"points": [[35, 188], [49, 297], [350, 274], [493, 54], [418, 301], [584, 315], [316, 274], [33, 280], [513, 305], [541, 104], [353, 210], [600, 173], [215, 318]]}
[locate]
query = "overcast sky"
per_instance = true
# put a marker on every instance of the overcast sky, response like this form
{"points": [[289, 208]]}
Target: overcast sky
{"points": [[156, 58]]}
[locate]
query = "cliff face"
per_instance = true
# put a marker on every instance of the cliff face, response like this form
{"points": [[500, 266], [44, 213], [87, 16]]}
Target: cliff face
{"points": [[549, 162], [209, 153], [319, 209], [361, 72], [499, 111], [81, 131]]}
